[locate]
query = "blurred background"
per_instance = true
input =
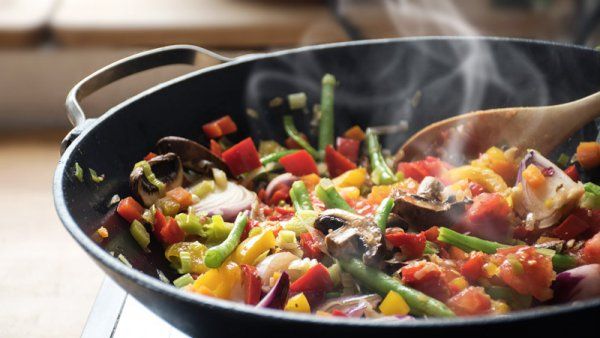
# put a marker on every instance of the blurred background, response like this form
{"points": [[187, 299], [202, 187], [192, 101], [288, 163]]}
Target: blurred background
{"points": [[46, 46]]}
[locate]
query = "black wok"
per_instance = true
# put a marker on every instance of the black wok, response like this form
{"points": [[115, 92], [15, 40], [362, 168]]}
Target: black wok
{"points": [[381, 82]]}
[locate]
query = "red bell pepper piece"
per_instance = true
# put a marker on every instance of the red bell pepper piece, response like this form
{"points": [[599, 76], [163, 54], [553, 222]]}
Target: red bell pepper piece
{"points": [[216, 148], [472, 269], [220, 127], [242, 157], [315, 279], [166, 229], [130, 209], [432, 234], [309, 246], [488, 217], [570, 228], [251, 283], [338, 313], [281, 194], [348, 147], [572, 172], [149, 156], [337, 163], [411, 245], [417, 170], [299, 163]]}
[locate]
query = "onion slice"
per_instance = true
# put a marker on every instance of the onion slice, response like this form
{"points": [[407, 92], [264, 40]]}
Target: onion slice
{"points": [[227, 202], [580, 283], [278, 262], [277, 296]]}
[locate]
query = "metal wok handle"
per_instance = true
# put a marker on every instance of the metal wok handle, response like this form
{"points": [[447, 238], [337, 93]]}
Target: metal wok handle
{"points": [[170, 55]]}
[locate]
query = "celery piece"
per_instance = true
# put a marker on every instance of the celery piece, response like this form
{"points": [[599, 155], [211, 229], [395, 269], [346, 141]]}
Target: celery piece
{"points": [[190, 223], [186, 262], [95, 177], [124, 260], [78, 172], [183, 281], [220, 178], [167, 206], [297, 100], [139, 233], [147, 169], [591, 197], [217, 230], [203, 188]]}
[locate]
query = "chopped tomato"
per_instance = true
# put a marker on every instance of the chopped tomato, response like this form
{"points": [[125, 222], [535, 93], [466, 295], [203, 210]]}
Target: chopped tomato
{"points": [[315, 279], [337, 163], [280, 194], [251, 283], [570, 228], [242, 157], [417, 170], [149, 156], [476, 188], [591, 250], [525, 270], [588, 154], [181, 196], [290, 143], [432, 234], [572, 172], [130, 209], [299, 163], [216, 148], [166, 229], [488, 217], [348, 147], [411, 245], [591, 217], [426, 277], [472, 269], [220, 127], [471, 301], [310, 247], [355, 133]]}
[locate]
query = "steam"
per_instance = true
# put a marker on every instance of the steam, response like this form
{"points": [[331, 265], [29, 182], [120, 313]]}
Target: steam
{"points": [[467, 78]]}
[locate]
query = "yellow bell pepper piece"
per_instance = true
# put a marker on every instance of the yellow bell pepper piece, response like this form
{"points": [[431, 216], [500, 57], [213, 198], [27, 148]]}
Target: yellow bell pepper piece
{"points": [[490, 181], [351, 178], [311, 181], [496, 160], [393, 304], [379, 193], [251, 248], [298, 303], [349, 193], [219, 282], [533, 176]]}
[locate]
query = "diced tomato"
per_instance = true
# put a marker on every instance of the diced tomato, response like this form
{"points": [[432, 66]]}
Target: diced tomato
{"points": [[149, 156], [426, 277], [242, 157], [570, 228], [166, 229], [290, 143], [160, 221], [181, 196], [348, 147], [471, 301], [572, 172], [130, 209], [476, 188], [279, 195], [432, 234], [220, 127], [588, 154], [472, 269], [251, 283], [216, 148], [355, 133], [411, 245], [488, 217], [414, 170], [525, 270], [337, 163], [591, 217], [591, 250], [299, 163], [316, 278], [310, 247]]}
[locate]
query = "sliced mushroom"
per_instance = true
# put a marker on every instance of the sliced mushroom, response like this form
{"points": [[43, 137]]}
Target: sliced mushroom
{"points": [[332, 219], [357, 236], [167, 169], [423, 212], [193, 155]]}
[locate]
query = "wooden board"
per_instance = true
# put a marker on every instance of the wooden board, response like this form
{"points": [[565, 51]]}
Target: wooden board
{"points": [[214, 23], [22, 22]]}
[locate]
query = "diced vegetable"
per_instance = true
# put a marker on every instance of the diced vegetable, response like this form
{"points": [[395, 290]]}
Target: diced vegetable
{"points": [[216, 148], [337, 163], [326, 131], [242, 157], [130, 209], [290, 129], [251, 283], [411, 245], [219, 282], [78, 172], [348, 147], [534, 177], [563, 160], [95, 177], [491, 181], [327, 193], [300, 196], [297, 100], [309, 246], [252, 247], [181, 196], [220, 127], [572, 172], [316, 279], [380, 172], [355, 133], [220, 178], [394, 305], [588, 154], [298, 303], [216, 255], [299, 163], [591, 197], [276, 297], [203, 188], [570, 228], [352, 178], [140, 234]]}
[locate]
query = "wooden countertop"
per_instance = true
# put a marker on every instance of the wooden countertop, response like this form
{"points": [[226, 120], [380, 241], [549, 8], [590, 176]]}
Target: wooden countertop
{"points": [[48, 284]]}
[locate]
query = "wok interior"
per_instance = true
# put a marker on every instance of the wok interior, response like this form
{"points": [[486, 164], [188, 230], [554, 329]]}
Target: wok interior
{"points": [[378, 85]]}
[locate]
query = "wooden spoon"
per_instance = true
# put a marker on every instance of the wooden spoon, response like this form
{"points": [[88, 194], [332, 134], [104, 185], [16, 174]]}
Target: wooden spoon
{"points": [[468, 135]]}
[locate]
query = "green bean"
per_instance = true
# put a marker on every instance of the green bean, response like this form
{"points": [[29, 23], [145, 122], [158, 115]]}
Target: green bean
{"points": [[383, 212], [274, 157], [300, 196], [216, 255], [330, 197], [380, 172], [467, 243], [419, 303], [290, 129], [326, 123]]}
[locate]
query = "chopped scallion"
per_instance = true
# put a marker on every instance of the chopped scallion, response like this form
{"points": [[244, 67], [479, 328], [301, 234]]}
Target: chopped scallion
{"points": [[297, 100], [78, 172], [183, 280], [150, 175], [95, 176]]}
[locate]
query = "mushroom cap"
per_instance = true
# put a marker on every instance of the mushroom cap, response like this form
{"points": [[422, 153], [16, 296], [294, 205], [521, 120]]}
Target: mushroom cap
{"points": [[193, 155]]}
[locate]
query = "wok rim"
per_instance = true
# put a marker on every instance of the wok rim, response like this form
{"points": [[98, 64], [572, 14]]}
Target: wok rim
{"points": [[155, 285]]}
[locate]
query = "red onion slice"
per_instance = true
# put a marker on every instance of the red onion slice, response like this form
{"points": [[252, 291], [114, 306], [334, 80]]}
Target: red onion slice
{"points": [[277, 296]]}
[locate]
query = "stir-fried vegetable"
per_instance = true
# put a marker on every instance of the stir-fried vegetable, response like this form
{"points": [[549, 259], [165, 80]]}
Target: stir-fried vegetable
{"points": [[326, 131], [327, 193], [383, 213], [380, 172], [216, 255], [300, 196], [290, 129]]}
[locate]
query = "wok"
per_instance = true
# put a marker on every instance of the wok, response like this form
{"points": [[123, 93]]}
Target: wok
{"points": [[420, 80]]}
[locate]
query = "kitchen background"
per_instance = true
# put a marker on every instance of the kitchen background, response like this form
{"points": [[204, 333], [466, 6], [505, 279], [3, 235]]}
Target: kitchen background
{"points": [[47, 284]]}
